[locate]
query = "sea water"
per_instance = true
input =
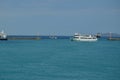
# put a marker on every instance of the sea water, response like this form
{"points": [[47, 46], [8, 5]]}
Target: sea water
{"points": [[60, 59]]}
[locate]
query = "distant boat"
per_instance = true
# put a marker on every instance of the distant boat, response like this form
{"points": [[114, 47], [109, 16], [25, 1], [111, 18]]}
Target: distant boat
{"points": [[98, 35], [3, 36], [53, 37], [78, 37]]}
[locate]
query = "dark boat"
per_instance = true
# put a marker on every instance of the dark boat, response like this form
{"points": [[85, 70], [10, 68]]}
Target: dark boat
{"points": [[98, 35]]}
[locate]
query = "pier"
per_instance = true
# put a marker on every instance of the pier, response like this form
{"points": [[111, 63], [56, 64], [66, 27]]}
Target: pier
{"points": [[24, 38], [114, 39]]}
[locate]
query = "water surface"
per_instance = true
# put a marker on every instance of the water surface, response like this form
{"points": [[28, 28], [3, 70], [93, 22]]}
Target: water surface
{"points": [[59, 60]]}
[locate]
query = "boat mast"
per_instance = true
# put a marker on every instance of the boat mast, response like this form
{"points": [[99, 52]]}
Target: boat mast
{"points": [[110, 36]]}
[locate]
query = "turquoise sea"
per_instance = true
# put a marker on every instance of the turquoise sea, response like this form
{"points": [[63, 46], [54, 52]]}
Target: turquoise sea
{"points": [[60, 59]]}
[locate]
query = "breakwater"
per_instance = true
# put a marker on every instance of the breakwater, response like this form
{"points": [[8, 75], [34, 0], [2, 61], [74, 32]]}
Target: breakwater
{"points": [[19, 37], [114, 39], [23, 37]]}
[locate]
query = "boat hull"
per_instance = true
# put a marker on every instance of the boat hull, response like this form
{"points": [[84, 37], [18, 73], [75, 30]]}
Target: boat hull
{"points": [[3, 39], [84, 39]]}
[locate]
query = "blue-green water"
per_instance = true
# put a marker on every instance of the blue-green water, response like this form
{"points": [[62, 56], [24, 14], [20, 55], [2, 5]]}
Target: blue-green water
{"points": [[59, 60]]}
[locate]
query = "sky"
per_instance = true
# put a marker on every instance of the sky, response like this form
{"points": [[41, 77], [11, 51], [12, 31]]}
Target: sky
{"points": [[59, 17]]}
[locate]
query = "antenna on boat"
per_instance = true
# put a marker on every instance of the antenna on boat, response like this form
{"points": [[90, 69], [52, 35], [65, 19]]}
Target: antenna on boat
{"points": [[38, 35], [2, 32]]}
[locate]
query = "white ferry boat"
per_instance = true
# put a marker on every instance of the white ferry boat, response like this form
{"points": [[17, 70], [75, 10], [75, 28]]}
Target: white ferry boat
{"points": [[3, 36], [78, 37]]}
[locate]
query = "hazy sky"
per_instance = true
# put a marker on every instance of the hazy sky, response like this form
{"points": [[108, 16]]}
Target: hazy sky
{"points": [[59, 17]]}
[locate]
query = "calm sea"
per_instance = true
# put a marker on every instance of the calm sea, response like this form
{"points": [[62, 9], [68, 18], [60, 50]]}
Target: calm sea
{"points": [[59, 59]]}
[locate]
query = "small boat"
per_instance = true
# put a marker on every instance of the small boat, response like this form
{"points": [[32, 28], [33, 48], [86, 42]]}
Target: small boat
{"points": [[78, 37], [53, 37], [3, 36], [98, 35]]}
